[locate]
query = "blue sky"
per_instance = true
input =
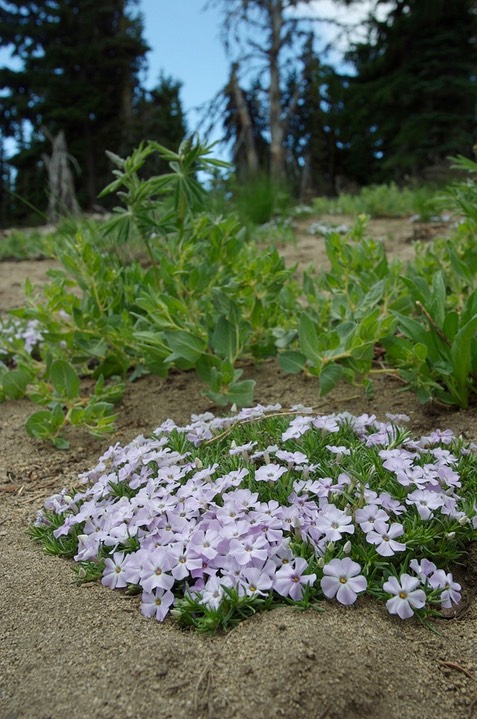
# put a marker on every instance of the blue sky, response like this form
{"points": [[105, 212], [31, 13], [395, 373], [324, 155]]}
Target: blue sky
{"points": [[185, 42], [185, 45]]}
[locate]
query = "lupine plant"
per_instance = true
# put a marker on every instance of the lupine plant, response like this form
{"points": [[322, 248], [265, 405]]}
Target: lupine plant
{"points": [[206, 300], [224, 517]]}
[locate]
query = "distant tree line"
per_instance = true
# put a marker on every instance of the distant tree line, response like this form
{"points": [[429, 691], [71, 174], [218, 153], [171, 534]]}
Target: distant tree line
{"points": [[406, 102]]}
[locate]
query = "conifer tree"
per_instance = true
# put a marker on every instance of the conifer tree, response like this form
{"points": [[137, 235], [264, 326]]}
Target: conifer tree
{"points": [[413, 99], [79, 74]]}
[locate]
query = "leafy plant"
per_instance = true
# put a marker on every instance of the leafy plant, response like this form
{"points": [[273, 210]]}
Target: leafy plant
{"points": [[337, 335], [383, 201], [440, 358], [207, 299]]}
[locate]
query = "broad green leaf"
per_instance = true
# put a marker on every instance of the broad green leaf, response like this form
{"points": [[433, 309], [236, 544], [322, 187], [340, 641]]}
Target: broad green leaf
{"points": [[64, 379], [292, 362], [420, 351], [228, 338], [416, 332], [241, 393], [437, 308], [329, 378], [184, 345], [39, 425], [451, 325], [15, 383], [61, 443], [461, 355], [309, 341], [204, 366], [76, 415]]}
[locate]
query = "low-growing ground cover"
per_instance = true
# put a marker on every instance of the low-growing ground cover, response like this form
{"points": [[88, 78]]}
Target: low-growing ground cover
{"points": [[224, 517]]}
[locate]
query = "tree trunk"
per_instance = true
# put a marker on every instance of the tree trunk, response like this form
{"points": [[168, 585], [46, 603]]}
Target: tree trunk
{"points": [[126, 106], [246, 134], [91, 188], [277, 156]]}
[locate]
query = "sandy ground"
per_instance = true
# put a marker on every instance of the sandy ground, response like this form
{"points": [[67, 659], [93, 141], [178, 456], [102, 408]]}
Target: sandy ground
{"points": [[87, 652]]}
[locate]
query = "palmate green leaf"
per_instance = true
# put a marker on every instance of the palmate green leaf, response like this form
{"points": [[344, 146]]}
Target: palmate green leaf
{"points": [[64, 379], [15, 383]]}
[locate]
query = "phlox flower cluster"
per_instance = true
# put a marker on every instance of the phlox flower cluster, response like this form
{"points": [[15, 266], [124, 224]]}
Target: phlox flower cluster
{"points": [[15, 333], [273, 504]]}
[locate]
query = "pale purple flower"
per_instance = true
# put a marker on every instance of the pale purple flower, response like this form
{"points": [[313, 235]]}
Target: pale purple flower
{"points": [[445, 437], [270, 472], [423, 569], [290, 579], [333, 522], [205, 544], [182, 560], [58, 503], [384, 537], [88, 547], [113, 574], [292, 458], [212, 593], [328, 423], [243, 449], [258, 580], [134, 565], [407, 596], [425, 501], [156, 604], [297, 427], [390, 504], [339, 452], [397, 459], [343, 580], [249, 548], [450, 589], [397, 418], [265, 453], [281, 555], [154, 573], [447, 477], [370, 514]]}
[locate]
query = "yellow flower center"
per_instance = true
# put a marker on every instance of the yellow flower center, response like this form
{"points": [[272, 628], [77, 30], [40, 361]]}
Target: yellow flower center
{"points": [[403, 595]]}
